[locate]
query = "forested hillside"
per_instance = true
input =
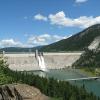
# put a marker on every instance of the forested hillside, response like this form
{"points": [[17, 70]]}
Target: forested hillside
{"points": [[89, 59], [20, 49], [58, 89], [77, 42]]}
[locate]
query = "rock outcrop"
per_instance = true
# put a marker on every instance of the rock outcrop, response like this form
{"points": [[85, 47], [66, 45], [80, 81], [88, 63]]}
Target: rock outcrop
{"points": [[95, 44], [20, 92]]}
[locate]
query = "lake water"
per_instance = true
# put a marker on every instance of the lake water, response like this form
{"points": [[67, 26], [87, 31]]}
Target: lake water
{"points": [[91, 85]]}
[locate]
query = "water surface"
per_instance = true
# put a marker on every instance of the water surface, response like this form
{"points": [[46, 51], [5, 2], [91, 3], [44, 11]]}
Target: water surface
{"points": [[91, 85]]}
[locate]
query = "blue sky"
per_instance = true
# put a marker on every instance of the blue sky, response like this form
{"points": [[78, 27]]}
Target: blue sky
{"points": [[28, 23]]}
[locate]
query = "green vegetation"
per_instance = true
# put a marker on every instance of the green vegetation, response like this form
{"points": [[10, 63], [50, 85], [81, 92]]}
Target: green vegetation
{"points": [[89, 62], [4, 79], [89, 59], [19, 49], [50, 86], [14, 49], [77, 42], [88, 71], [55, 98]]}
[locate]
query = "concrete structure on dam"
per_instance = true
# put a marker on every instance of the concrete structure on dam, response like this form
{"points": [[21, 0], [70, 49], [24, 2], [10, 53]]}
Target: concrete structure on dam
{"points": [[28, 62]]}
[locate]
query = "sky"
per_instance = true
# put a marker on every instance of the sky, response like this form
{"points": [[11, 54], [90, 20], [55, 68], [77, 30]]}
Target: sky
{"points": [[29, 23]]}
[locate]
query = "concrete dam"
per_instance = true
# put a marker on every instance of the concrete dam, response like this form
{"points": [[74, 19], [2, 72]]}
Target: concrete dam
{"points": [[28, 61]]}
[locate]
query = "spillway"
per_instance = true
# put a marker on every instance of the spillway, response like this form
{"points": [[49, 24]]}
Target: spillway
{"points": [[28, 62]]}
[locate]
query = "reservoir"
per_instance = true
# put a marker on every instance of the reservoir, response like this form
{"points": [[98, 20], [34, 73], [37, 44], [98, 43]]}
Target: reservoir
{"points": [[56, 63], [64, 74]]}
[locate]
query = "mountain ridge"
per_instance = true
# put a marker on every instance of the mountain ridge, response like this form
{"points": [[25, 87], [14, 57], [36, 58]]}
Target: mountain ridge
{"points": [[20, 49], [77, 42]]}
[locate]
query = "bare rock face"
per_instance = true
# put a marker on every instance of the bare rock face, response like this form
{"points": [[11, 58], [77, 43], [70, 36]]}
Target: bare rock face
{"points": [[20, 92], [95, 44]]}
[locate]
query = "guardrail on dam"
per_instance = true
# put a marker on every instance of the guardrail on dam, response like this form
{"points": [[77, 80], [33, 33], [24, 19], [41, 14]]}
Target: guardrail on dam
{"points": [[27, 61]]}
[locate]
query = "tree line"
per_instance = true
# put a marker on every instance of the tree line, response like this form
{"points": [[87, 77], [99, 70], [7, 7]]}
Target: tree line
{"points": [[49, 86], [89, 59]]}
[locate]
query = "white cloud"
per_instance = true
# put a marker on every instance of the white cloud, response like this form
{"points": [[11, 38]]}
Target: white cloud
{"points": [[10, 43], [13, 43], [82, 21], [80, 1], [39, 40], [60, 19], [44, 39], [40, 17], [57, 37]]}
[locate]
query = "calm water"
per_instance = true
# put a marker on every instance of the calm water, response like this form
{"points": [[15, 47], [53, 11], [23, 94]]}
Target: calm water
{"points": [[91, 85]]}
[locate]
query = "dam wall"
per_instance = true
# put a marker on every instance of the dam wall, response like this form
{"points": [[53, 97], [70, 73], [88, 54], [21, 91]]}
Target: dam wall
{"points": [[60, 60], [28, 62]]}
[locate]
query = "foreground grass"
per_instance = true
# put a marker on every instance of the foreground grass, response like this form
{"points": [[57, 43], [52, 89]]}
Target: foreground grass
{"points": [[88, 72]]}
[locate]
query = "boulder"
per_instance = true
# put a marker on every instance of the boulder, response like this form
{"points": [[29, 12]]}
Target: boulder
{"points": [[20, 92]]}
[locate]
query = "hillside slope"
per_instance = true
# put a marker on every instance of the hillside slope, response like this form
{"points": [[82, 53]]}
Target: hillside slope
{"points": [[89, 59], [77, 42], [20, 49]]}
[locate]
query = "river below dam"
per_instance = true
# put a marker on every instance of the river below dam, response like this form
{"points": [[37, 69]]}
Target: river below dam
{"points": [[65, 74]]}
